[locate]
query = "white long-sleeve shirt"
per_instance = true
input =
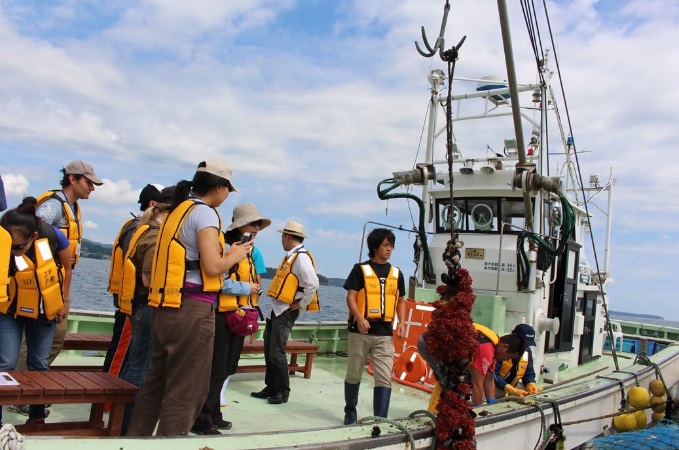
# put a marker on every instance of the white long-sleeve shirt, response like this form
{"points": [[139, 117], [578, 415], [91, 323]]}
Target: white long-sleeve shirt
{"points": [[308, 282]]}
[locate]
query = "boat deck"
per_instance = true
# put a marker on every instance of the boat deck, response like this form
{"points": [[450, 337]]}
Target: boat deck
{"points": [[313, 413], [314, 404]]}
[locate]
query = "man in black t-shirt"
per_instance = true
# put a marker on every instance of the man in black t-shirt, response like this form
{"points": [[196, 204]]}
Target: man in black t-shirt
{"points": [[375, 291]]}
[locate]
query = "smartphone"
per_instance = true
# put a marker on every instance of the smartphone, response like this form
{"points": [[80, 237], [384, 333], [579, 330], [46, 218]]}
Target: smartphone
{"points": [[246, 238]]}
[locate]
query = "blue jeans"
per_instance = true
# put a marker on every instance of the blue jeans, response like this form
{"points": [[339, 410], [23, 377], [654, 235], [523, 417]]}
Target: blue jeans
{"points": [[139, 352], [39, 337], [138, 356]]}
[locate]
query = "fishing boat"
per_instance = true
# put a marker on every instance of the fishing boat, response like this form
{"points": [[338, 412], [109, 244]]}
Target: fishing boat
{"points": [[521, 212]]}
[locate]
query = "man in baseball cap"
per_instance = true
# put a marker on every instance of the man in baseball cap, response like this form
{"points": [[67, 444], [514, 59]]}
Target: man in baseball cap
{"points": [[82, 168], [150, 193], [527, 333], [512, 371]]}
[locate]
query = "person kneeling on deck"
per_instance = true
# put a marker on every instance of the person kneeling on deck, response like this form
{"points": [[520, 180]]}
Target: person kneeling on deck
{"points": [[510, 371], [374, 296], [35, 260], [480, 370], [293, 289]]}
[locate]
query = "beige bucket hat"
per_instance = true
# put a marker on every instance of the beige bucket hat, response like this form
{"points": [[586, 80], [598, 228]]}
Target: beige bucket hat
{"points": [[218, 167], [246, 213], [293, 228]]}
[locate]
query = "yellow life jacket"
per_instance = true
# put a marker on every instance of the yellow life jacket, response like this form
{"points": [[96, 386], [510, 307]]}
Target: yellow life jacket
{"points": [[129, 275], [36, 284], [521, 367], [487, 333], [5, 255], [74, 229], [168, 274], [115, 275], [285, 284], [244, 271], [377, 299]]}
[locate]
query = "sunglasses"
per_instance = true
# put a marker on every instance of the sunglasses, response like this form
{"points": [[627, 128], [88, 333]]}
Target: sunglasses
{"points": [[257, 223], [229, 186], [22, 246]]}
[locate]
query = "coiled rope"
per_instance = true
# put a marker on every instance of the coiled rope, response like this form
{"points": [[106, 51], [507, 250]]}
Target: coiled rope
{"points": [[400, 426], [10, 439]]}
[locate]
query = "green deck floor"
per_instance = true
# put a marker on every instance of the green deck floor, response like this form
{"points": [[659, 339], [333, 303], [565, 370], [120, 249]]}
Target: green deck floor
{"points": [[314, 403]]}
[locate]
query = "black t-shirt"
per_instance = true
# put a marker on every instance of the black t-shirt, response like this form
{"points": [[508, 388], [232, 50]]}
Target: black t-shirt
{"points": [[355, 282]]}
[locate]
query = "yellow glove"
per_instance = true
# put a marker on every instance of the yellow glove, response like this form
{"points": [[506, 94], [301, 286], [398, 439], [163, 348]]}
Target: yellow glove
{"points": [[516, 392], [533, 388]]}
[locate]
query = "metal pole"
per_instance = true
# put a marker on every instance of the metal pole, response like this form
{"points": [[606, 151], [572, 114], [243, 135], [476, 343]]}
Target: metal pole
{"points": [[609, 221], [514, 95], [435, 80]]}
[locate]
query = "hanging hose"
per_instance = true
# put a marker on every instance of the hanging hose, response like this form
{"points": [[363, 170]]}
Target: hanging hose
{"points": [[567, 227], [383, 193]]}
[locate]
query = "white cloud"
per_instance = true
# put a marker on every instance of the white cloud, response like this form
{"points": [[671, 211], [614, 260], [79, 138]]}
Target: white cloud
{"points": [[15, 185], [116, 192], [90, 225], [314, 113]]}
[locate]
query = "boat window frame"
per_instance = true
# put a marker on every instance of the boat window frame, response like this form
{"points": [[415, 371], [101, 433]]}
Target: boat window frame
{"points": [[462, 203]]}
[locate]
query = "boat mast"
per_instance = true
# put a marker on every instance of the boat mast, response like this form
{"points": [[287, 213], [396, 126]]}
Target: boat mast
{"points": [[516, 109], [609, 223], [436, 80]]}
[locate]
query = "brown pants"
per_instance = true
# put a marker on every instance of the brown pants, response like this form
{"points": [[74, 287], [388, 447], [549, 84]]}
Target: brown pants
{"points": [[57, 345], [181, 358]]}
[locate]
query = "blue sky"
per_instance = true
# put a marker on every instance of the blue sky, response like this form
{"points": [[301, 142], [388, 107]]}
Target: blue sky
{"points": [[314, 102]]}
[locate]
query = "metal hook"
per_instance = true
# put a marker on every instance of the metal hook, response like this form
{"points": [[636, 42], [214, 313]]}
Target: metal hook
{"points": [[440, 41]]}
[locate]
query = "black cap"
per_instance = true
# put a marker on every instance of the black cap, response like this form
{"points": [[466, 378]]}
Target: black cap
{"points": [[147, 195], [526, 332], [167, 195]]}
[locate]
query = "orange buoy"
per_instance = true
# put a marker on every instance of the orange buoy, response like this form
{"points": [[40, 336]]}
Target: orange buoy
{"points": [[410, 366]]}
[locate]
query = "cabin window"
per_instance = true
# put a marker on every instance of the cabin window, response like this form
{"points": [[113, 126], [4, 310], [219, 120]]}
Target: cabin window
{"points": [[483, 215], [513, 212]]}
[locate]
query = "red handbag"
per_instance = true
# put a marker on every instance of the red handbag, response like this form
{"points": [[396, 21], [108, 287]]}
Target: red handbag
{"points": [[243, 322]]}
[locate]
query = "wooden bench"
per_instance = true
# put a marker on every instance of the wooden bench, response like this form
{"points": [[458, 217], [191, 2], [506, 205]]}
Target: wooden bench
{"points": [[62, 387], [87, 341], [100, 342], [294, 348]]}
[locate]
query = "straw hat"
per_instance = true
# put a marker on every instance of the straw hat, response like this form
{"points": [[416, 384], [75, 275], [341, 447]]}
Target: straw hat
{"points": [[246, 213], [293, 228]]}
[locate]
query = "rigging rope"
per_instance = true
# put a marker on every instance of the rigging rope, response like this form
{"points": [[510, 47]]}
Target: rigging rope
{"points": [[609, 327]]}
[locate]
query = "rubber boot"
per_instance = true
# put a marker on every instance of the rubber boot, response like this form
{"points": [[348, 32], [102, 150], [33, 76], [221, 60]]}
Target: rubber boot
{"points": [[350, 402], [381, 396]]}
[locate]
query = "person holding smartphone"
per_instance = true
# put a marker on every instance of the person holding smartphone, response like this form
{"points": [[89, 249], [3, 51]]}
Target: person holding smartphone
{"points": [[242, 288], [186, 282]]}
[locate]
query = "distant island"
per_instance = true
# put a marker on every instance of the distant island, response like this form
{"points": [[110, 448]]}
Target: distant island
{"points": [[322, 280], [91, 249], [96, 250], [634, 315]]}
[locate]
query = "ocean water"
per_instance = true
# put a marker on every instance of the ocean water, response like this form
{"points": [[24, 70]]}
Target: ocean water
{"points": [[90, 281]]}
